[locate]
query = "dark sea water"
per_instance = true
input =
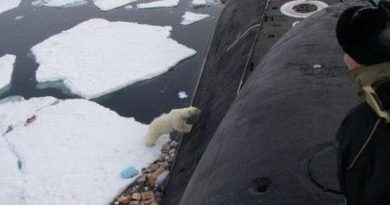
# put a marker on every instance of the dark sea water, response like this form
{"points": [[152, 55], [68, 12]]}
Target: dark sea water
{"points": [[143, 100]]}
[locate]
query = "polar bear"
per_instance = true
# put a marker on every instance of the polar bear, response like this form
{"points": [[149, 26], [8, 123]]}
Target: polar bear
{"points": [[175, 120]]}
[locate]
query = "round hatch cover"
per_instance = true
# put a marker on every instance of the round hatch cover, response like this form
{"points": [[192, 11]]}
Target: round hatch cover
{"points": [[302, 8]]}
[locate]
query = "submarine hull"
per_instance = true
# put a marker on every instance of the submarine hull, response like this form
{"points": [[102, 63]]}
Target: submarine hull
{"points": [[285, 116], [273, 142]]}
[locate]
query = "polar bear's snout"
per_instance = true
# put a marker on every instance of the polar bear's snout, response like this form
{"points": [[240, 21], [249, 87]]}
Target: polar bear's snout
{"points": [[175, 120], [194, 111]]}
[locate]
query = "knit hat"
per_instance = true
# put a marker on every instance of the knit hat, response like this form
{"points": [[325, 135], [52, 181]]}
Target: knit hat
{"points": [[364, 33]]}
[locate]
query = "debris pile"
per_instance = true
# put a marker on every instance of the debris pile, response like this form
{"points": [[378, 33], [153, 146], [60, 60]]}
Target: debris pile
{"points": [[148, 188]]}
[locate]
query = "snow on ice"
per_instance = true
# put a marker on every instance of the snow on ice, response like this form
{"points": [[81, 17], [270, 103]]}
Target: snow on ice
{"points": [[190, 18], [98, 57], [6, 68], [159, 4], [198, 3], [6, 5], [182, 95], [129, 7], [106, 5], [71, 153], [59, 3], [14, 111], [11, 189], [103, 5]]}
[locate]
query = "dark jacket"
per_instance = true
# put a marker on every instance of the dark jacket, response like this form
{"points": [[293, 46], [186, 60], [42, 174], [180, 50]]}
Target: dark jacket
{"points": [[368, 181]]}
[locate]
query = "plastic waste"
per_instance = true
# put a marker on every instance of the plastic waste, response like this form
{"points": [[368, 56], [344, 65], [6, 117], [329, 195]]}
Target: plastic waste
{"points": [[129, 172]]}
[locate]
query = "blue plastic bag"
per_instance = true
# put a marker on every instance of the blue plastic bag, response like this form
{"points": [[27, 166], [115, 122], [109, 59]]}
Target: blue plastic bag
{"points": [[129, 172]]}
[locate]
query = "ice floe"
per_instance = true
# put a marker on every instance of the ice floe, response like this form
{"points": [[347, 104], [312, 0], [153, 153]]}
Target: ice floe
{"points": [[13, 113], [6, 5], [11, 189], [68, 151], [6, 68], [198, 3], [128, 7], [59, 3], [97, 57], [15, 110], [103, 5], [182, 95], [14, 98], [19, 17], [159, 4], [191, 17], [106, 5]]}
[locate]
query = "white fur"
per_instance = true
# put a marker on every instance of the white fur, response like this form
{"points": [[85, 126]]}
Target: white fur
{"points": [[175, 120]]}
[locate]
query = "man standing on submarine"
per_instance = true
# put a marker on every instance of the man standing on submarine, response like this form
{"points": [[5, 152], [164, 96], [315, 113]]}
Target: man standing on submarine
{"points": [[364, 135]]}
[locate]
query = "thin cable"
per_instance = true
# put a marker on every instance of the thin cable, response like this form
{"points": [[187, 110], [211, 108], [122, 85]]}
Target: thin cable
{"points": [[365, 145], [242, 35]]}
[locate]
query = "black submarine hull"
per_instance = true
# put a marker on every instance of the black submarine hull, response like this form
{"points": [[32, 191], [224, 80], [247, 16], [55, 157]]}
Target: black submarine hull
{"points": [[220, 79], [273, 142]]}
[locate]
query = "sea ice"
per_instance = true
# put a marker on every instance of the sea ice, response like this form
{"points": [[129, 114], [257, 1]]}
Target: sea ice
{"points": [[73, 152], [97, 57], [19, 17], [128, 7], [14, 111], [182, 95], [11, 189], [106, 5], [14, 98], [6, 5], [58, 3], [198, 3], [6, 68], [190, 18], [159, 4]]}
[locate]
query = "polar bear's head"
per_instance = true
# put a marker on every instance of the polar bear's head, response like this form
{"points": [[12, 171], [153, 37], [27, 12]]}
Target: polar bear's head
{"points": [[193, 111], [186, 112], [189, 112]]}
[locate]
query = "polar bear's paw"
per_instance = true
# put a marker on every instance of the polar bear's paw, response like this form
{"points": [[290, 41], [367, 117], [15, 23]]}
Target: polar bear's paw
{"points": [[150, 143], [151, 137], [187, 128]]}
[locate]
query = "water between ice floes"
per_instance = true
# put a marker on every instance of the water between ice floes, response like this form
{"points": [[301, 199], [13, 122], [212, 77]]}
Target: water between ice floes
{"points": [[143, 100]]}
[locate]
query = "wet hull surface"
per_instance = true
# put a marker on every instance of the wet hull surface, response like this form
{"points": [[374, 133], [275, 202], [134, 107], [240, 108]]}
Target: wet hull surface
{"points": [[220, 79], [274, 141]]}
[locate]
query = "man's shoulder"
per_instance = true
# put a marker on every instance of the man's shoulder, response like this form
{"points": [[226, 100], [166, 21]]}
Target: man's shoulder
{"points": [[360, 115], [356, 123], [361, 112]]}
